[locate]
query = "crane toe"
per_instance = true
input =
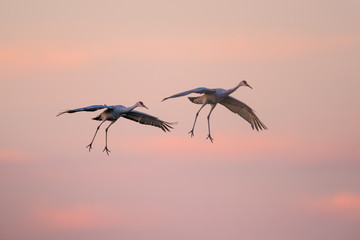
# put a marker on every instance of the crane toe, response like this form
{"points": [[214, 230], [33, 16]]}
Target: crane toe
{"points": [[107, 150], [89, 146], [191, 133], [211, 139]]}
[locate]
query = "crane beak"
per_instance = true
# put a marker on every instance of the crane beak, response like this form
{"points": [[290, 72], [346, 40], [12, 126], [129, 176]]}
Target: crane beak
{"points": [[145, 106], [248, 86]]}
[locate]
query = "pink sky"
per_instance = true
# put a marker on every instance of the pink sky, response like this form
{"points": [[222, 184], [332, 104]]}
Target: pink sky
{"points": [[298, 180]]}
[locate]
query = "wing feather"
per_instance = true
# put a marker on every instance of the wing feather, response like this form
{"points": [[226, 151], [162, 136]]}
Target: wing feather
{"points": [[86, 109], [244, 111], [147, 119], [199, 90]]}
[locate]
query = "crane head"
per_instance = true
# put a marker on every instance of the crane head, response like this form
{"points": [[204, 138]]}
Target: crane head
{"points": [[244, 83], [141, 104]]}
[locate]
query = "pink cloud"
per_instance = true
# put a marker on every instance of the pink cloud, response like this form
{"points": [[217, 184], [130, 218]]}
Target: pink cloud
{"points": [[229, 146], [347, 201], [224, 48], [14, 156], [77, 217], [224, 147], [45, 57], [343, 202], [85, 216]]}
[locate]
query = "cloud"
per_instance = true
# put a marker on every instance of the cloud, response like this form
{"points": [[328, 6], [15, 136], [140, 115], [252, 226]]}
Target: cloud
{"points": [[87, 216], [77, 217], [225, 146], [264, 146], [29, 57], [343, 202], [164, 48], [14, 156], [348, 201]]}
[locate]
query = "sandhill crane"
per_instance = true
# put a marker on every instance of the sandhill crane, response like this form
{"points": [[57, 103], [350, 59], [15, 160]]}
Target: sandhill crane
{"points": [[219, 95], [113, 113]]}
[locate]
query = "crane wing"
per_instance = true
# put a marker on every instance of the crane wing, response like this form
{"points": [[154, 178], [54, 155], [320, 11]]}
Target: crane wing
{"points": [[244, 111], [147, 119], [87, 109], [196, 90]]}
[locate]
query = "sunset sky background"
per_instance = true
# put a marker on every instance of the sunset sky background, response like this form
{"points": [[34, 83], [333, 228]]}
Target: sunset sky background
{"points": [[298, 180]]}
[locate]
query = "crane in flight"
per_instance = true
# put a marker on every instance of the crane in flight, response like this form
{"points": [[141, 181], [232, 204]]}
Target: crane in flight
{"points": [[113, 113], [219, 95]]}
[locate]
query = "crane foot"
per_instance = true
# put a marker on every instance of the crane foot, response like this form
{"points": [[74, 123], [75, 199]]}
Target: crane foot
{"points": [[107, 150], [211, 139], [191, 133], [89, 146]]}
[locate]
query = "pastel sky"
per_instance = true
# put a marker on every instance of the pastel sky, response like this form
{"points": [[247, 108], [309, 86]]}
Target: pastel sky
{"points": [[298, 180]]}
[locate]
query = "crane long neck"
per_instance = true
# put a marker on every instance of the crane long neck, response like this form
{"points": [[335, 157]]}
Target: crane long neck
{"points": [[231, 90], [131, 107]]}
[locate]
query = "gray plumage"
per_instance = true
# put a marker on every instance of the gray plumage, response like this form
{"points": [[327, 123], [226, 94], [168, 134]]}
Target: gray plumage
{"points": [[113, 113], [219, 95]]}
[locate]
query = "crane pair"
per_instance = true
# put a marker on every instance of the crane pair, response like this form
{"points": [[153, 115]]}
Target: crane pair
{"points": [[209, 96]]}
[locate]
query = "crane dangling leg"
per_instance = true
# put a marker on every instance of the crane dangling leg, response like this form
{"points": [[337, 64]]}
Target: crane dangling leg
{"points": [[106, 132], [97, 129], [196, 116], [208, 118]]}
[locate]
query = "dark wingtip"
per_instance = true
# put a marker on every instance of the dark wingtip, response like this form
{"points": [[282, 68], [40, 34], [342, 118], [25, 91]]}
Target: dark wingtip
{"points": [[262, 125], [166, 125]]}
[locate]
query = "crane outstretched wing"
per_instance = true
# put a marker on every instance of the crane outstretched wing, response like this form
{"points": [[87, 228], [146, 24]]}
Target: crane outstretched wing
{"points": [[244, 111], [147, 119], [196, 90], [87, 109]]}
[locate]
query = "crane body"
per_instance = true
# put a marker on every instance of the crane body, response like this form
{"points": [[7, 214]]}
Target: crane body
{"points": [[113, 113], [219, 95]]}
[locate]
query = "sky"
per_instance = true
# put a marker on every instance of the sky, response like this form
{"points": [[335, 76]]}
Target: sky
{"points": [[297, 180]]}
